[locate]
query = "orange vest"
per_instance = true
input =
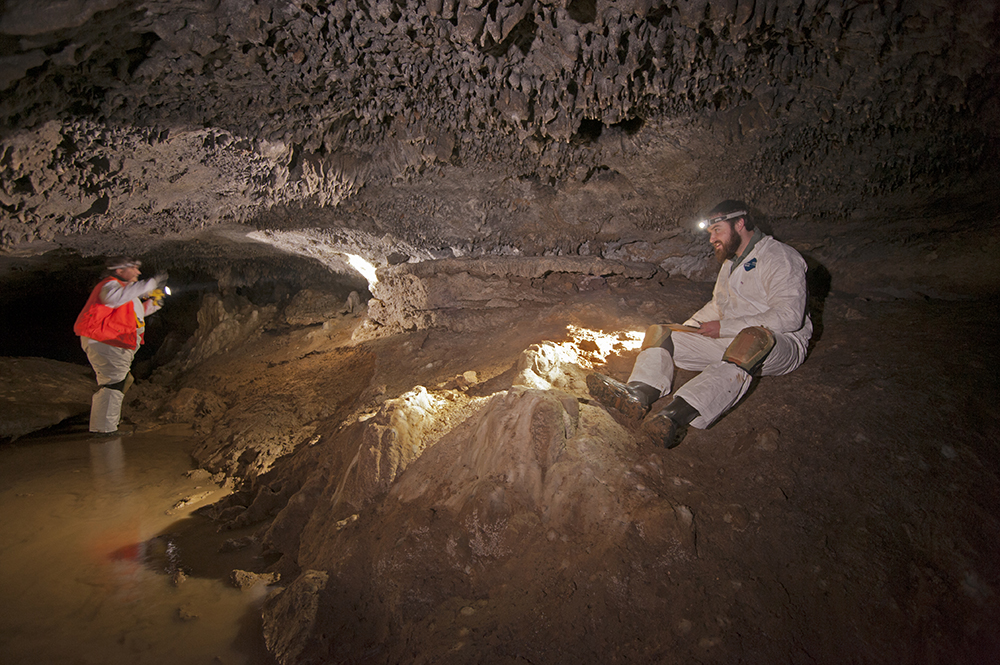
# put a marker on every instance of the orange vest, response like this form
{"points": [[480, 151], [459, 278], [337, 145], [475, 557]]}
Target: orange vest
{"points": [[115, 326]]}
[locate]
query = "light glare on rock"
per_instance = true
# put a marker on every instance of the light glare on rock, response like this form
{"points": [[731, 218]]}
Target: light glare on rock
{"points": [[363, 267], [594, 346]]}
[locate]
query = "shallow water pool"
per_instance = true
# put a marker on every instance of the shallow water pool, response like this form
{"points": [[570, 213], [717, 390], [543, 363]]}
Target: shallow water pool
{"points": [[102, 562]]}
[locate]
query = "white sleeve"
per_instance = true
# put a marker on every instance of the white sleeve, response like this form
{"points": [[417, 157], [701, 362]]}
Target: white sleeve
{"points": [[114, 294], [710, 312]]}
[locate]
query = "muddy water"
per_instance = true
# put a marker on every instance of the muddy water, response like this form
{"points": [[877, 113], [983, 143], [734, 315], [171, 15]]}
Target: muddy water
{"points": [[92, 534]]}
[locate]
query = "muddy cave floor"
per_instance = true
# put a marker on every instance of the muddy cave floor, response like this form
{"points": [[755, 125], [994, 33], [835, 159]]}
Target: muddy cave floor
{"points": [[848, 512]]}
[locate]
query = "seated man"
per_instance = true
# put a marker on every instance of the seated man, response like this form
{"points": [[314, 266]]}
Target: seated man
{"points": [[755, 324]]}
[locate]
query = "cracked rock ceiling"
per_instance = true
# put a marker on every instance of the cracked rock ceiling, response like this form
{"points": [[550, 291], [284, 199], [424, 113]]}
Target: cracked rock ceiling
{"points": [[526, 127]]}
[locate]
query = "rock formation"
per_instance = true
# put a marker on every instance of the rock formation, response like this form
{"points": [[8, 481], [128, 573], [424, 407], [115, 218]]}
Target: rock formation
{"points": [[38, 393], [583, 127]]}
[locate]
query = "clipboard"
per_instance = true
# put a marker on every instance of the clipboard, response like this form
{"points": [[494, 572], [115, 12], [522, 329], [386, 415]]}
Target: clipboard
{"points": [[677, 327]]}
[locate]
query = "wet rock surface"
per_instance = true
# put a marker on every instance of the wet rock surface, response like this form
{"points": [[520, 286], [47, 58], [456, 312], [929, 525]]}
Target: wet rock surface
{"points": [[36, 393]]}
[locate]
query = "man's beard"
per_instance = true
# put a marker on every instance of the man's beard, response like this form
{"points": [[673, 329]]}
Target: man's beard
{"points": [[728, 249]]}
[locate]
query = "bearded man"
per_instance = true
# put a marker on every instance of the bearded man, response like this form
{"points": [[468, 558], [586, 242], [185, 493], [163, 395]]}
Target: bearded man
{"points": [[755, 324]]}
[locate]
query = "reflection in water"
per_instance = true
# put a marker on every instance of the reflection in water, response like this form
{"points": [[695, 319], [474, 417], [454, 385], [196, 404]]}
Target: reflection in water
{"points": [[119, 568], [88, 561], [107, 461]]}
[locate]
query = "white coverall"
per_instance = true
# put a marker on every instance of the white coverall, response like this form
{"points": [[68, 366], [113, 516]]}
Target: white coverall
{"points": [[112, 363], [767, 289]]}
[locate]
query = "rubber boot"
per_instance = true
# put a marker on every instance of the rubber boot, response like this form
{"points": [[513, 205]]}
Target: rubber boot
{"points": [[630, 399], [663, 426], [105, 410]]}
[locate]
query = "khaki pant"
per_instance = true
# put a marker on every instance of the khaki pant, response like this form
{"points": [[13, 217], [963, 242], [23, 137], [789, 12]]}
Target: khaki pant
{"points": [[111, 364]]}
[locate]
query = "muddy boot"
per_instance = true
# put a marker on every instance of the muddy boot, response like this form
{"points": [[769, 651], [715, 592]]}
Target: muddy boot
{"points": [[630, 399], [665, 427]]}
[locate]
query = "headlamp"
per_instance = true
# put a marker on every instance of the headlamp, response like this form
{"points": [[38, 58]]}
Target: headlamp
{"points": [[125, 264], [705, 223]]}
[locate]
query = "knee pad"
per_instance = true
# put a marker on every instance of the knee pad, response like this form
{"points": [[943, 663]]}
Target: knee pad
{"points": [[749, 348], [121, 386], [656, 336]]}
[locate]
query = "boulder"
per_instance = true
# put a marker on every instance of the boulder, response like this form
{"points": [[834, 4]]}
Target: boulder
{"points": [[310, 307], [36, 393]]}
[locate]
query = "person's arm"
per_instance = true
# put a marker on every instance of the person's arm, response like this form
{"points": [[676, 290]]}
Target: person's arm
{"points": [[709, 329], [116, 294], [710, 312]]}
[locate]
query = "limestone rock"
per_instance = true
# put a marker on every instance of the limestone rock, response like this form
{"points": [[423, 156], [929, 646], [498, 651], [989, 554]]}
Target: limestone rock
{"points": [[290, 616], [244, 580], [310, 307], [228, 110], [413, 296], [395, 437], [190, 405], [36, 393], [223, 323]]}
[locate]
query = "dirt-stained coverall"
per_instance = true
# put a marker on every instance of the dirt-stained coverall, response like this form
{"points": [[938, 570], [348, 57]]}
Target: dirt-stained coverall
{"points": [[767, 288]]}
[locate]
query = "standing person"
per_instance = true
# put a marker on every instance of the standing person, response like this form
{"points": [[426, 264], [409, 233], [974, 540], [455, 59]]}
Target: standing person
{"points": [[111, 327], [755, 324]]}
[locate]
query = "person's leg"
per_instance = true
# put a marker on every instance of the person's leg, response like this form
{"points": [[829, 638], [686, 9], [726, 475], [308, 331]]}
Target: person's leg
{"points": [[698, 402], [652, 375], [111, 365], [721, 385], [654, 367], [696, 352], [786, 356], [714, 391], [106, 410]]}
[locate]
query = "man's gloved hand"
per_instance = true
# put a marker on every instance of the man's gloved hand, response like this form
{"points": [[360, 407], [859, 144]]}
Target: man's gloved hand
{"points": [[157, 296]]}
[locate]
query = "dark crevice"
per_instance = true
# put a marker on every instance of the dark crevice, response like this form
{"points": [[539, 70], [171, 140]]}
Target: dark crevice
{"points": [[139, 54], [588, 131], [582, 11], [99, 207]]}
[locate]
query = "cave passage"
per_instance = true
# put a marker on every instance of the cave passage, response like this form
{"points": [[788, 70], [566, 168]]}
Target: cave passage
{"points": [[401, 235]]}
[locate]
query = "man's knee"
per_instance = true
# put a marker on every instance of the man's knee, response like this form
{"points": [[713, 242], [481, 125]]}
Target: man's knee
{"points": [[658, 336], [121, 386], [749, 348]]}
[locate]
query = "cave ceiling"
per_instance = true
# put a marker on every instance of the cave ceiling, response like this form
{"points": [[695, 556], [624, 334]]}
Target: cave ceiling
{"points": [[442, 128]]}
